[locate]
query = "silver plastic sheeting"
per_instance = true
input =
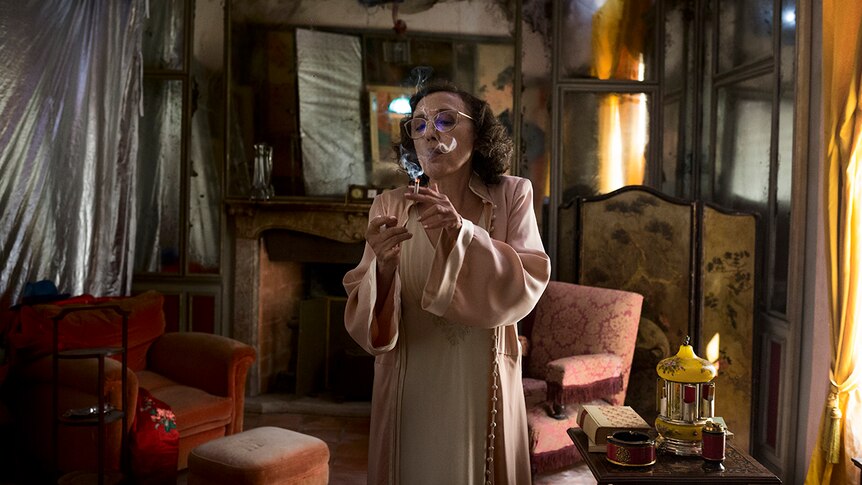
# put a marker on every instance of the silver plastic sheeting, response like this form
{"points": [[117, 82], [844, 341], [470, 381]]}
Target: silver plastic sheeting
{"points": [[205, 182], [69, 101], [157, 241], [330, 84]]}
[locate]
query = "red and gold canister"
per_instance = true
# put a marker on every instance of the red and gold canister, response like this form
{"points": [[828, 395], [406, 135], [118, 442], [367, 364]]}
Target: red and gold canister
{"points": [[714, 441]]}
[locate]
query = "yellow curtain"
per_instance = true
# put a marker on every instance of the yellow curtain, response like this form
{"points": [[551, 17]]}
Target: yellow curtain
{"points": [[618, 34], [842, 95]]}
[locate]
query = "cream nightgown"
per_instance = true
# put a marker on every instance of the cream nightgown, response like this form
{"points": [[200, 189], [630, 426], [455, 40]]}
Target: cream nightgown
{"points": [[447, 373]]}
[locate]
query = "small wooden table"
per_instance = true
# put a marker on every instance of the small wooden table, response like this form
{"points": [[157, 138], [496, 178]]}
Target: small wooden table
{"points": [[670, 468]]}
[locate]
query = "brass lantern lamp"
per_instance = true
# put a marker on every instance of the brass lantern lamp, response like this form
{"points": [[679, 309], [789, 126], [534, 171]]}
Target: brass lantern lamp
{"points": [[685, 397]]}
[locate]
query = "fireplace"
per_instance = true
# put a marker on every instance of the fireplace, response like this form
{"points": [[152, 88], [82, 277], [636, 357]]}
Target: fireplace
{"points": [[286, 252]]}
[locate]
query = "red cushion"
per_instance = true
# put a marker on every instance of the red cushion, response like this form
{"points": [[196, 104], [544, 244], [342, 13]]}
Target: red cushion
{"points": [[154, 441], [92, 327]]}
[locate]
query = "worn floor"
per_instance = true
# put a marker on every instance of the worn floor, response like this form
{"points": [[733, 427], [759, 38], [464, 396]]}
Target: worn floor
{"points": [[347, 437], [343, 426]]}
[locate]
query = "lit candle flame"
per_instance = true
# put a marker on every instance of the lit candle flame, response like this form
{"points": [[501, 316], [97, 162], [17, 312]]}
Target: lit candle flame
{"points": [[712, 347]]}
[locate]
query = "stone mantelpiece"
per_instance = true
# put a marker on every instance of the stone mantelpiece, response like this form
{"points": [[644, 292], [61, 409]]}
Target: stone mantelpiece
{"points": [[339, 221], [248, 219]]}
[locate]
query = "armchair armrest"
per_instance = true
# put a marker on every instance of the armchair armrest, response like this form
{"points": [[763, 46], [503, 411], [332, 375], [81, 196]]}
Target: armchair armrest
{"points": [[213, 363], [81, 377], [525, 345], [79, 374], [584, 378]]}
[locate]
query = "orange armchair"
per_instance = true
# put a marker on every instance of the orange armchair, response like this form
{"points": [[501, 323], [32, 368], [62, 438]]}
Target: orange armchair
{"points": [[201, 376], [578, 345]]}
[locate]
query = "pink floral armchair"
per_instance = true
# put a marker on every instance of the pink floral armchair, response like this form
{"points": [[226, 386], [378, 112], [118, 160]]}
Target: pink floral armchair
{"points": [[578, 345]]}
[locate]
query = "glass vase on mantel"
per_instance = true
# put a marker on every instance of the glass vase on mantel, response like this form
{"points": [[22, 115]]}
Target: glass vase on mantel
{"points": [[261, 182]]}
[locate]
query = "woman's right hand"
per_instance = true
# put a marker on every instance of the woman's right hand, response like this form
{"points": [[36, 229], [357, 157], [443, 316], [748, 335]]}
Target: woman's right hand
{"points": [[385, 236]]}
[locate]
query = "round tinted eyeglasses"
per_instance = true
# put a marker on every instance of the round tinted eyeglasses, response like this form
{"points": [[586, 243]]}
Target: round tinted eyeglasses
{"points": [[443, 121]]}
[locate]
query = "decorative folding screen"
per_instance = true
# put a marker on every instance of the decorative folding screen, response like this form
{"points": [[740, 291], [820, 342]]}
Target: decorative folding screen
{"points": [[726, 310], [694, 264]]}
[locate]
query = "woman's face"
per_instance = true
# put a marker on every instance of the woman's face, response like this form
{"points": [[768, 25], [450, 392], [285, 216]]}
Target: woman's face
{"points": [[442, 154]]}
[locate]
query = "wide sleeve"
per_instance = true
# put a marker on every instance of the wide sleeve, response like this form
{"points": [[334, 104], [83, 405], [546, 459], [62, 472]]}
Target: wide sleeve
{"points": [[479, 281], [361, 286]]}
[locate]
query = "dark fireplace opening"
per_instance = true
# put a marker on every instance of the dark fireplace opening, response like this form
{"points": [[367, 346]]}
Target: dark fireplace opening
{"points": [[317, 357], [286, 245], [324, 279]]}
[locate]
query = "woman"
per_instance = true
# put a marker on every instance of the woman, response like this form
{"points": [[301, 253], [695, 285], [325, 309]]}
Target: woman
{"points": [[447, 272]]}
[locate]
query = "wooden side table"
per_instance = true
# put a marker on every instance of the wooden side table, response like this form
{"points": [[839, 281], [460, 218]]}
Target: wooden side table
{"points": [[739, 467]]}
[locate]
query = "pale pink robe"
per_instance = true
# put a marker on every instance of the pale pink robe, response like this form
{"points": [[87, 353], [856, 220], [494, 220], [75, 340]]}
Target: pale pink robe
{"points": [[486, 279]]}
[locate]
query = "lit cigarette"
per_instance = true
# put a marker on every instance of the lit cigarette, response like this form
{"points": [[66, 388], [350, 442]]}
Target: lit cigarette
{"points": [[416, 186]]}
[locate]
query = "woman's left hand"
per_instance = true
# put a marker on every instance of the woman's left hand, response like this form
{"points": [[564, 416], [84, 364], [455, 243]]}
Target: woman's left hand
{"points": [[437, 210]]}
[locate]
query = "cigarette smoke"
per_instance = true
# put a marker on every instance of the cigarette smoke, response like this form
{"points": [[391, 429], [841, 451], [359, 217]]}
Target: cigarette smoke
{"points": [[410, 163], [444, 148]]}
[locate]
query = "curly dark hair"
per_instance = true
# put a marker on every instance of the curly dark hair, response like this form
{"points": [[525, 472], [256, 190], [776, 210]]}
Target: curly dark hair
{"points": [[492, 148]]}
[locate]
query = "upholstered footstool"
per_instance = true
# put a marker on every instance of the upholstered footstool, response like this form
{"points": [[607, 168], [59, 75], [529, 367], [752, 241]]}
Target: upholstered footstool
{"points": [[260, 456]]}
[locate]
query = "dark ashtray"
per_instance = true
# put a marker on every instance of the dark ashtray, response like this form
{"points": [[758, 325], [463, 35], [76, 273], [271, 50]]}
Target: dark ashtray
{"points": [[87, 412], [630, 448]]}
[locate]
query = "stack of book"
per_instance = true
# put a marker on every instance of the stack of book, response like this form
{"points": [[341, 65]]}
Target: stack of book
{"points": [[598, 422]]}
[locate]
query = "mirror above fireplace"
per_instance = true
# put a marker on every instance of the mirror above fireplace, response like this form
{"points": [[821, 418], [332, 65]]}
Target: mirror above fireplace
{"points": [[316, 80]]}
